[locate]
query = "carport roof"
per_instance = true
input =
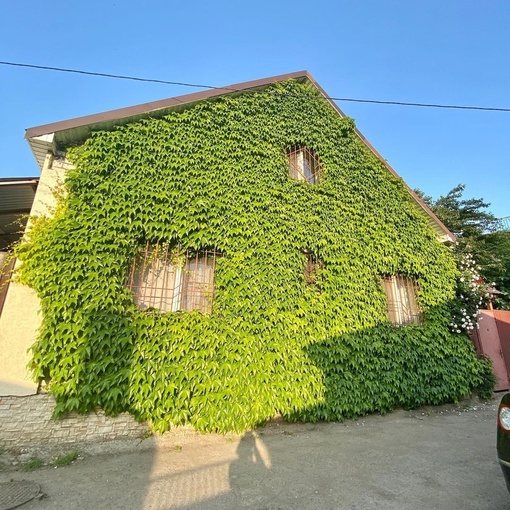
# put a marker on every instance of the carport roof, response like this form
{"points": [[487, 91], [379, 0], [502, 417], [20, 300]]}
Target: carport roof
{"points": [[16, 198]]}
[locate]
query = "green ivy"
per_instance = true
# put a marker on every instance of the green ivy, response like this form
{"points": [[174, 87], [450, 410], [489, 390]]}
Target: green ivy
{"points": [[216, 175]]}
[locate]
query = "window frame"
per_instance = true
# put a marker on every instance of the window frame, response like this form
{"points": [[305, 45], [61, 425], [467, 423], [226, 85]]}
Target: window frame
{"points": [[165, 278], [313, 265], [304, 164], [402, 305]]}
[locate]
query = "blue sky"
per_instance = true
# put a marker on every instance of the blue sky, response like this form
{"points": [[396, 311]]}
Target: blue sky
{"points": [[448, 51]]}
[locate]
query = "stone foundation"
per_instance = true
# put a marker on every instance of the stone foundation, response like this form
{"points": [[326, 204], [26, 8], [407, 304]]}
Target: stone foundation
{"points": [[26, 422]]}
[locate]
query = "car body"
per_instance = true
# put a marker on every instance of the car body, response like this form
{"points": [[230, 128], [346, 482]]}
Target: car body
{"points": [[503, 437]]}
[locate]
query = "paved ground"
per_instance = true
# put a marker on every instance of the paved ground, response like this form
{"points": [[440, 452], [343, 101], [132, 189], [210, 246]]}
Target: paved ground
{"points": [[434, 458]]}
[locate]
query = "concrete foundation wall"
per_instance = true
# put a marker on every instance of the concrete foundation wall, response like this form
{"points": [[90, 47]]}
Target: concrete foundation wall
{"points": [[25, 422]]}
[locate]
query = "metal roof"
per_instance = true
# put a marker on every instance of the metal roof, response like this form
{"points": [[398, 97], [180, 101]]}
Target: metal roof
{"points": [[60, 134], [16, 198]]}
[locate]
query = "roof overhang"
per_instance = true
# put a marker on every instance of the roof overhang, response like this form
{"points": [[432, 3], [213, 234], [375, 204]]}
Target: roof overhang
{"points": [[50, 137], [67, 132]]}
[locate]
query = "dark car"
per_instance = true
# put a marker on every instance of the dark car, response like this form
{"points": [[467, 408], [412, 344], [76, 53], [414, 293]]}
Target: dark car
{"points": [[503, 441]]}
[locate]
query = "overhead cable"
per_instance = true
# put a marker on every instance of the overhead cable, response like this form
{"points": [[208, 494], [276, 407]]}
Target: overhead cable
{"points": [[231, 89]]}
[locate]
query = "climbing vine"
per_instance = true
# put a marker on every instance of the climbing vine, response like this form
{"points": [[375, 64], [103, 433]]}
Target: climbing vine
{"points": [[216, 175]]}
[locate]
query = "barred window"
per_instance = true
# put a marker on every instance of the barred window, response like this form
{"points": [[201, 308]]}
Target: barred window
{"points": [[304, 164], [401, 295], [171, 279], [313, 265]]}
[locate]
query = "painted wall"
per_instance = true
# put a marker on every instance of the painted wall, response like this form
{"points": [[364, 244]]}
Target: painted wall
{"points": [[20, 317], [493, 340]]}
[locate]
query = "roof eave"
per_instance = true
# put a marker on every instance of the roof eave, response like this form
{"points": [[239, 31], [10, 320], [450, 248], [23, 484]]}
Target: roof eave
{"points": [[41, 145], [76, 129], [444, 234], [48, 137]]}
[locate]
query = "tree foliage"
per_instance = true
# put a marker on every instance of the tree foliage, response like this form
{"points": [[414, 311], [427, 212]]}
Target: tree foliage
{"points": [[494, 258], [475, 229], [467, 219]]}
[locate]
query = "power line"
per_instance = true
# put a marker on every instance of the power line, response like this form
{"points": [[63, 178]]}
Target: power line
{"points": [[231, 89], [118, 76]]}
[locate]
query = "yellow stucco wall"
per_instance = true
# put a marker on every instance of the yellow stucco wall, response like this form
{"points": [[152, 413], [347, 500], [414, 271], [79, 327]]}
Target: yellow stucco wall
{"points": [[20, 317]]}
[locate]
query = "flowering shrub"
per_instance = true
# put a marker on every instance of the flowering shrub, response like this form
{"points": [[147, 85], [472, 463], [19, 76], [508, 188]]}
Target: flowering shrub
{"points": [[471, 295]]}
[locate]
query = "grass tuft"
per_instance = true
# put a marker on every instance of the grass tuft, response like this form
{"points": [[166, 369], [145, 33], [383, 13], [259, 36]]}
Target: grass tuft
{"points": [[33, 464], [64, 460]]}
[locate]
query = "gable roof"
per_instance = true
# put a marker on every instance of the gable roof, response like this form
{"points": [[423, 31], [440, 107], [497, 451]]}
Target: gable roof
{"points": [[51, 136]]}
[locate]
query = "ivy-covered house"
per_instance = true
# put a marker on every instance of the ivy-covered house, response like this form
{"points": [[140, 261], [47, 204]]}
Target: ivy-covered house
{"points": [[222, 257]]}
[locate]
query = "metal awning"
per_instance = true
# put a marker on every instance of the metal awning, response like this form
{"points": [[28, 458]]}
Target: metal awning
{"points": [[16, 198]]}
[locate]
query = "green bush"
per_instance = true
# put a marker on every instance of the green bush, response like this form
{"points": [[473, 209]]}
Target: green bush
{"points": [[486, 378]]}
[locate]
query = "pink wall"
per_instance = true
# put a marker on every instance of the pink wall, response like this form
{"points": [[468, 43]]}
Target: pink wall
{"points": [[493, 340]]}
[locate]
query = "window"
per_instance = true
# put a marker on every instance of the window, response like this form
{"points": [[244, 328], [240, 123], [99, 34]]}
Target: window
{"points": [[304, 164], [172, 280], [313, 265], [401, 295]]}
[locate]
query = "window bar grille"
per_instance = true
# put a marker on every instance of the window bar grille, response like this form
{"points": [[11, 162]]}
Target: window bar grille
{"points": [[213, 276], [165, 287], [304, 165], [313, 265], [195, 287], [142, 273], [200, 273], [160, 278], [401, 299], [152, 261]]}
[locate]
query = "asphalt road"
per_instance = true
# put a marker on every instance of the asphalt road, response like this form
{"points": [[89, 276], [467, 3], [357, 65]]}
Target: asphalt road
{"points": [[434, 458]]}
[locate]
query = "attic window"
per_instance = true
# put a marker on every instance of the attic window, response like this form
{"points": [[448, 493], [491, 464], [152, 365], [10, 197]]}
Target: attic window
{"points": [[171, 280], [304, 164], [401, 299], [313, 265]]}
